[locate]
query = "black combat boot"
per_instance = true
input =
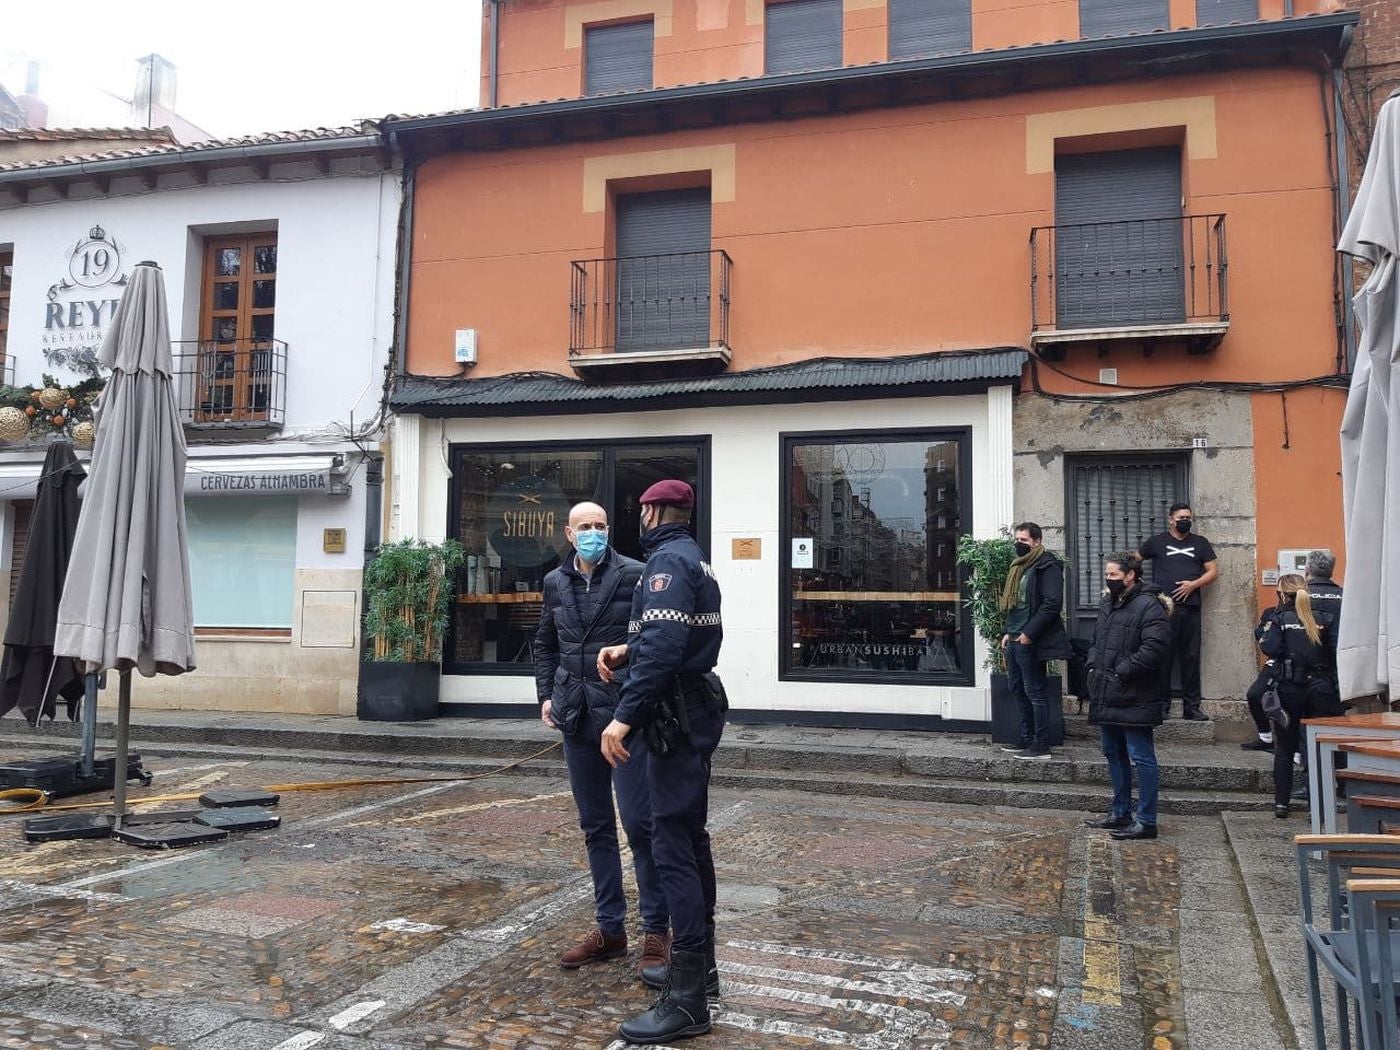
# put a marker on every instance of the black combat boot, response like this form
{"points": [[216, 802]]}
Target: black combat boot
{"points": [[711, 966], [681, 1012]]}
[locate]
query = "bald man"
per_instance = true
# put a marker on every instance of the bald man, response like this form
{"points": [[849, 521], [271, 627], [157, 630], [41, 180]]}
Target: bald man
{"points": [[587, 606]]}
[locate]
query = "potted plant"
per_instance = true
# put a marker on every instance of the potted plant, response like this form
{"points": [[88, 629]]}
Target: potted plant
{"points": [[408, 597], [988, 563]]}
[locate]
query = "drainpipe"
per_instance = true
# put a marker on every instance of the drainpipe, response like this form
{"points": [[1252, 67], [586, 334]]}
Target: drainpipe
{"points": [[405, 262], [1339, 145], [374, 504], [492, 63], [1287, 8]]}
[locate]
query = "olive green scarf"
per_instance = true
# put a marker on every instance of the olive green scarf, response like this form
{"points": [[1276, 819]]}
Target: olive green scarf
{"points": [[1011, 593]]}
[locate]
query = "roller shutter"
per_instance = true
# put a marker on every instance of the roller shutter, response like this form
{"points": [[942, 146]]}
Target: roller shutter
{"points": [[801, 34], [1116, 17], [929, 27], [663, 282], [618, 58]]}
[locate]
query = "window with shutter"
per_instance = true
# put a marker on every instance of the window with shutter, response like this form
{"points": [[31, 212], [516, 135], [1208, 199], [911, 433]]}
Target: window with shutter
{"points": [[1118, 239], [929, 27], [801, 34], [1114, 17], [618, 58], [1220, 12], [663, 270]]}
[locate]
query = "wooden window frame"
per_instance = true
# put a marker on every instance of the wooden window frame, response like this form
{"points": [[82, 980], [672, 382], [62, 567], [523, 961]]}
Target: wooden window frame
{"points": [[251, 365]]}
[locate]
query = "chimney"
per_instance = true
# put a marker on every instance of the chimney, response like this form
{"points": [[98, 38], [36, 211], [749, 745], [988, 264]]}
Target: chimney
{"points": [[155, 91], [36, 110]]}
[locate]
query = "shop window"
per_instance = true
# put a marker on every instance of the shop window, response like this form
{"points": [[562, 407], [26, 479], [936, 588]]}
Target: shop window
{"points": [[929, 27], [1222, 12], [1115, 17], [236, 366], [874, 593], [242, 561], [618, 58], [801, 34], [509, 508], [7, 267]]}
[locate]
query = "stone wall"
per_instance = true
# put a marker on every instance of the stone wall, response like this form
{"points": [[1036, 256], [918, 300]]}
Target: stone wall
{"points": [[1221, 484]]}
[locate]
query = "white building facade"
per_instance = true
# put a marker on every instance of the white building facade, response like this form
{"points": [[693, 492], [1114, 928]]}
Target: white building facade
{"points": [[279, 259]]}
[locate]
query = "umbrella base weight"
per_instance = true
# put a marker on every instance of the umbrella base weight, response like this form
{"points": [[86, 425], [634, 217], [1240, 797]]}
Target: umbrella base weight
{"points": [[62, 777], [227, 797], [241, 818], [69, 826], [168, 836]]}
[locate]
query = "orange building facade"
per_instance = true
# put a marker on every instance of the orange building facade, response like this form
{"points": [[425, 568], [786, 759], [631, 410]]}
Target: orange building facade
{"points": [[959, 265]]}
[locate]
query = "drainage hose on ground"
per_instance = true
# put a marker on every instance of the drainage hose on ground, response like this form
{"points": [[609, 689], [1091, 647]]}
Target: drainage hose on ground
{"points": [[30, 800]]}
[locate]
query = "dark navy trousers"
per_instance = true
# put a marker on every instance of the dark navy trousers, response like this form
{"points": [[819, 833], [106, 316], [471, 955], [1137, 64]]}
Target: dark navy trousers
{"points": [[680, 805], [592, 781]]}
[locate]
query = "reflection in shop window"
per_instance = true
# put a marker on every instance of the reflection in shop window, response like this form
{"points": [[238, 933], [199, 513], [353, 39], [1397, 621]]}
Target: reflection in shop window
{"points": [[882, 596], [511, 507]]}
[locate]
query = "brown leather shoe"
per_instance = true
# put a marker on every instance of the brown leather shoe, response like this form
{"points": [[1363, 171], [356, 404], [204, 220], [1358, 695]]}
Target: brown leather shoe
{"points": [[656, 959], [595, 948]]}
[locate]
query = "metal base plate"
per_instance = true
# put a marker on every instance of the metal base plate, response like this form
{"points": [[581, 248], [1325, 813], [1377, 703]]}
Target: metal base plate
{"points": [[169, 836], [67, 826], [241, 818], [238, 797], [61, 778]]}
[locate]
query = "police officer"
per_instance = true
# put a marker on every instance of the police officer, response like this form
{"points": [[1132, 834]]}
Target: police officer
{"points": [[670, 693]]}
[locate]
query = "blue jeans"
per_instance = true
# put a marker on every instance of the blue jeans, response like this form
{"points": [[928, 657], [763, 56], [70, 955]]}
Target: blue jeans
{"points": [[592, 781], [1127, 747], [1026, 677]]}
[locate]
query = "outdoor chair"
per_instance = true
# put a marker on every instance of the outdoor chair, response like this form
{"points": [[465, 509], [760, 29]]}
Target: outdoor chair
{"points": [[1335, 945], [1374, 904]]}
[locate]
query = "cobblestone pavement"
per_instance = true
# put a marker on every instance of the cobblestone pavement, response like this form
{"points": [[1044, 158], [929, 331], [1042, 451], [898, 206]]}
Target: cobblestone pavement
{"points": [[432, 916]]}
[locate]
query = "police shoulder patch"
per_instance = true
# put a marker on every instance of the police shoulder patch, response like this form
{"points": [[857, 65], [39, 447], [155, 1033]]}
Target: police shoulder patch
{"points": [[659, 582]]}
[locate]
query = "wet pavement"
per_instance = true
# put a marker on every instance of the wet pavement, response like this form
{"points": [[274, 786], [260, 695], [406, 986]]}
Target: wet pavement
{"points": [[432, 915]]}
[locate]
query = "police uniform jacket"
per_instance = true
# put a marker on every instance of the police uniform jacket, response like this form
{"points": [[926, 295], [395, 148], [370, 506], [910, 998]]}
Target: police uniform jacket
{"points": [[1131, 640], [1297, 657], [675, 627], [581, 615], [1326, 598]]}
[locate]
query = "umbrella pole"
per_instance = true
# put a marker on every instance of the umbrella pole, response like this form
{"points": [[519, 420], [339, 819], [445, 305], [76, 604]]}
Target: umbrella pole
{"points": [[119, 765], [89, 745]]}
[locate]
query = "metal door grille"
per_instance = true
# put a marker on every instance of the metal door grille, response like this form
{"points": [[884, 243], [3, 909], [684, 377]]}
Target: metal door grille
{"points": [[1116, 505]]}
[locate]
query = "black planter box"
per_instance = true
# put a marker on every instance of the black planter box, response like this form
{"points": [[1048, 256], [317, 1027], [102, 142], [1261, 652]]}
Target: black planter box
{"points": [[1006, 712], [398, 692]]}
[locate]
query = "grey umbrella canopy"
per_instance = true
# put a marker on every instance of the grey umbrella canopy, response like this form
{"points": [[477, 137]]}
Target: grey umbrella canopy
{"points": [[126, 600], [1368, 648]]}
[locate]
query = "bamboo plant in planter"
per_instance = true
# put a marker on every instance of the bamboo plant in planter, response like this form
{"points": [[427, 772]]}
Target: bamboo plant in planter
{"points": [[988, 563], [408, 598]]}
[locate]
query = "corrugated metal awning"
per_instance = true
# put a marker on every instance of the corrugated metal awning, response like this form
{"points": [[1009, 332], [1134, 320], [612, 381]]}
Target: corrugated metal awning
{"points": [[818, 379]]}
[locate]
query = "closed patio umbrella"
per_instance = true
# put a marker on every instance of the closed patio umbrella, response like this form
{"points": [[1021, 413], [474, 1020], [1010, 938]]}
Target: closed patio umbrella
{"points": [[30, 678], [126, 602], [1368, 650]]}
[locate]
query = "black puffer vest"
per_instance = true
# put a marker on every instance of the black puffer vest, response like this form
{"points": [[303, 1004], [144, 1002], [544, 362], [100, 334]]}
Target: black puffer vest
{"points": [[569, 638]]}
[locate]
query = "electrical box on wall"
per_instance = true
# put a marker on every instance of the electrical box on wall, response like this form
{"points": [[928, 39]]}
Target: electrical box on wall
{"points": [[1294, 560], [465, 346]]}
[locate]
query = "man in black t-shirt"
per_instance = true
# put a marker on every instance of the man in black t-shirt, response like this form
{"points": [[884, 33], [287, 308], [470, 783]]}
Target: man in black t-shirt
{"points": [[1182, 565]]}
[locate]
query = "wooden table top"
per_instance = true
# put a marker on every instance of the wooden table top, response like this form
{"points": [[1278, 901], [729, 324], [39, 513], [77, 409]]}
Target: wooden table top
{"points": [[1374, 748], [1380, 720]]}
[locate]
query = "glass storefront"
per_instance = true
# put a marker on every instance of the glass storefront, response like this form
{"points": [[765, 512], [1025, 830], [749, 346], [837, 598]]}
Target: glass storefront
{"points": [[508, 508], [872, 589], [243, 561]]}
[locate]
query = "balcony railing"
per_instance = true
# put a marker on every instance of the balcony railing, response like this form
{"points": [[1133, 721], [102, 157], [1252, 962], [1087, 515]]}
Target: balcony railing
{"points": [[650, 303], [240, 384], [1134, 275]]}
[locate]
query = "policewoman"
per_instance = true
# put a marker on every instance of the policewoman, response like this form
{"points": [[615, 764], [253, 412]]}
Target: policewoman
{"points": [[671, 695]]}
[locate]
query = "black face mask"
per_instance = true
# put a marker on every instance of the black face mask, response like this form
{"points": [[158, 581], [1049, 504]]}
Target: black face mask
{"points": [[1116, 587], [1183, 525], [1022, 549]]}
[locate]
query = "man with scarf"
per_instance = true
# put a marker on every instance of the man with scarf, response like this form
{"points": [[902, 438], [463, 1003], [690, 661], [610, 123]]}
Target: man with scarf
{"points": [[1033, 600]]}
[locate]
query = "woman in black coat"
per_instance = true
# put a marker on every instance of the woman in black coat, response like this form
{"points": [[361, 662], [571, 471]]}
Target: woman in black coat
{"points": [[1126, 700], [1301, 653]]}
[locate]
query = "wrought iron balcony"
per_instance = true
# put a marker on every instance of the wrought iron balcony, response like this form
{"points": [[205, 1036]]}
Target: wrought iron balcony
{"points": [[1139, 279], [236, 385], [650, 313]]}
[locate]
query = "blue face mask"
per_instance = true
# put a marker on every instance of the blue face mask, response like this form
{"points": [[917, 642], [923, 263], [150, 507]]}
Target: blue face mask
{"points": [[591, 545]]}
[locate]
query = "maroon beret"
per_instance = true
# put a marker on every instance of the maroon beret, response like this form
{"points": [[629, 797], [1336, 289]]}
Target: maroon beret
{"points": [[670, 492]]}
